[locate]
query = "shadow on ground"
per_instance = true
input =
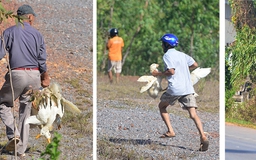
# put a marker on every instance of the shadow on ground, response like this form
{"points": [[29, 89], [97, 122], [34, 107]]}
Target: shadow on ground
{"points": [[144, 142]]}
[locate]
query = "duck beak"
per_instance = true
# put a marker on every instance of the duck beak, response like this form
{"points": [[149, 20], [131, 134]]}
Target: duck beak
{"points": [[38, 136]]}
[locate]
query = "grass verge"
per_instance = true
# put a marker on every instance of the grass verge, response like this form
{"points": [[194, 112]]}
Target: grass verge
{"points": [[242, 123]]}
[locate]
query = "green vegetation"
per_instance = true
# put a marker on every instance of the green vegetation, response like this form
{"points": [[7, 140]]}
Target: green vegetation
{"points": [[241, 123], [242, 112], [142, 23], [5, 14], [241, 66], [52, 149]]}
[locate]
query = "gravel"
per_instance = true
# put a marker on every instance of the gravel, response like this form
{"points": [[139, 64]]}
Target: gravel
{"points": [[138, 129], [67, 27]]}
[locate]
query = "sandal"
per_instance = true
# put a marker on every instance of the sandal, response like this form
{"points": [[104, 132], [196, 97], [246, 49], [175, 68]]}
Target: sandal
{"points": [[167, 135], [204, 145], [10, 146]]}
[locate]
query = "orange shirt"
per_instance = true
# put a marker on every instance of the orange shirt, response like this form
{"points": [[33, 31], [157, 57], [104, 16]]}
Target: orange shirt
{"points": [[115, 46]]}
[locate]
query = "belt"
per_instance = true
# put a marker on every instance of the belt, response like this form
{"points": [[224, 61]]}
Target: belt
{"points": [[26, 68]]}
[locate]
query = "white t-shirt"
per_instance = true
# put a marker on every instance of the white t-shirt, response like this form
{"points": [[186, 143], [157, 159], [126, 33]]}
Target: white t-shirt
{"points": [[179, 83]]}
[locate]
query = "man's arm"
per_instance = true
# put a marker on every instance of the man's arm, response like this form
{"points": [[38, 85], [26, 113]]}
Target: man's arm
{"points": [[2, 46], [193, 66], [42, 55], [2, 50], [107, 46], [167, 72]]}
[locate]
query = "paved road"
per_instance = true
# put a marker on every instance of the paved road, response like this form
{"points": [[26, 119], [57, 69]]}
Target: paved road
{"points": [[240, 143]]}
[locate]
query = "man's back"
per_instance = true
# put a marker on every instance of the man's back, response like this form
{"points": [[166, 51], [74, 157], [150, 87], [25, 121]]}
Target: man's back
{"points": [[25, 46], [115, 46], [179, 83]]}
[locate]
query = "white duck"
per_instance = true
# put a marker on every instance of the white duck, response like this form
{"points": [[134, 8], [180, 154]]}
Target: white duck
{"points": [[153, 86], [199, 73], [48, 106]]}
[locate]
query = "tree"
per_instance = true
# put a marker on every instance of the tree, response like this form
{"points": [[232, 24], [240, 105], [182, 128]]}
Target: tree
{"points": [[243, 56], [142, 23]]}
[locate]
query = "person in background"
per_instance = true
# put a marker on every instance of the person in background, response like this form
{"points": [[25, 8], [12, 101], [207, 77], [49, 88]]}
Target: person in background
{"points": [[114, 45], [180, 88], [27, 60]]}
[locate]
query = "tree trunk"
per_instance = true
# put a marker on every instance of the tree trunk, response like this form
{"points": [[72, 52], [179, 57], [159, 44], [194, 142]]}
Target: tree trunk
{"points": [[192, 43], [135, 34]]}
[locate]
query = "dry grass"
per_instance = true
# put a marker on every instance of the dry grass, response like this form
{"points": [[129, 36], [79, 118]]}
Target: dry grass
{"points": [[128, 89], [243, 114], [82, 122], [109, 151]]}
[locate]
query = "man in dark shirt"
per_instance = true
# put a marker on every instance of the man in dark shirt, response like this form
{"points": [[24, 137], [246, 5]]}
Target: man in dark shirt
{"points": [[27, 59]]}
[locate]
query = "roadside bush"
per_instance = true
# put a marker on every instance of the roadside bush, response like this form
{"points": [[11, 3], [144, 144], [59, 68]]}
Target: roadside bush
{"points": [[249, 111]]}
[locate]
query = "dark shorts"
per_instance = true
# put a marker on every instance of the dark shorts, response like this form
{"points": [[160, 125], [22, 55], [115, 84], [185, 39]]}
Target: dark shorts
{"points": [[185, 101]]}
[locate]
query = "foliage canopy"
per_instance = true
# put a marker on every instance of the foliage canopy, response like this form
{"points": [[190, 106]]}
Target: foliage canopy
{"points": [[142, 23], [242, 59]]}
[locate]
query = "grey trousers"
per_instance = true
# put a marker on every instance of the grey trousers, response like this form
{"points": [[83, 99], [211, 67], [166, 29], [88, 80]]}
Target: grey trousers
{"points": [[23, 81]]}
